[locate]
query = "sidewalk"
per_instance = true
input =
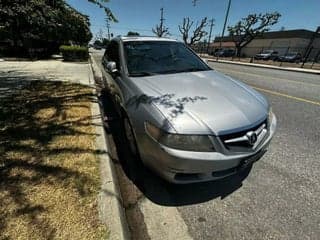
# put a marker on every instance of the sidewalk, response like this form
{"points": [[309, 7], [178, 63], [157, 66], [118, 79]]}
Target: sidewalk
{"points": [[55, 111], [293, 69], [54, 70]]}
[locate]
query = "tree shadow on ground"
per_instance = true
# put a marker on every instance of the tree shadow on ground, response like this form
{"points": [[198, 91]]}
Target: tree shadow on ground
{"points": [[25, 138], [153, 187]]}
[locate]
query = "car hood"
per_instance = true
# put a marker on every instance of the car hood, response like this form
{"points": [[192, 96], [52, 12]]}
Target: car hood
{"points": [[204, 102]]}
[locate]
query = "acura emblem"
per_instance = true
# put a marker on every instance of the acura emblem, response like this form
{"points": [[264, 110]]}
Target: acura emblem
{"points": [[252, 137]]}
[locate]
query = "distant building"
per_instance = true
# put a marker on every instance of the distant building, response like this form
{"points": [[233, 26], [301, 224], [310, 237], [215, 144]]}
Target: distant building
{"points": [[299, 40]]}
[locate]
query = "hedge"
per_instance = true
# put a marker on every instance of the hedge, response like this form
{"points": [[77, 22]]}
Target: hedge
{"points": [[74, 53]]}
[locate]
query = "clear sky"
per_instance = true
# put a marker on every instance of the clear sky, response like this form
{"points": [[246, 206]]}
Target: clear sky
{"points": [[142, 15]]}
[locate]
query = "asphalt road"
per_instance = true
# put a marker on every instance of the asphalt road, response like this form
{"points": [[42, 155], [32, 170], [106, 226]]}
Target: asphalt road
{"points": [[277, 199], [280, 197]]}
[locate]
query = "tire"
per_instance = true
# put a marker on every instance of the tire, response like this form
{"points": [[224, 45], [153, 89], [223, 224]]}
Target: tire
{"points": [[134, 167], [130, 137]]}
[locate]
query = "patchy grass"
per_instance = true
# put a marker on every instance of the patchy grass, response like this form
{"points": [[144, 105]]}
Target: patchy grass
{"points": [[49, 173]]}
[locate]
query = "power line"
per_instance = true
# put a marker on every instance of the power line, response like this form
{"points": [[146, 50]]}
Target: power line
{"points": [[133, 29], [123, 28]]}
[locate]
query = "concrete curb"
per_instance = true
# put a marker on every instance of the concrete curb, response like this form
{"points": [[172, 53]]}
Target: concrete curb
{"points": [[111, 211], [310, 71]]}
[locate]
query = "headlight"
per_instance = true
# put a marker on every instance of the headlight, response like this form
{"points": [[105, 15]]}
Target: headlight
{"points": [[197, 143]]}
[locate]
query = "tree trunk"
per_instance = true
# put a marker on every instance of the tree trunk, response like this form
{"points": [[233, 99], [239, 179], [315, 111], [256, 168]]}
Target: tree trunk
{"points": [[239, 48]]}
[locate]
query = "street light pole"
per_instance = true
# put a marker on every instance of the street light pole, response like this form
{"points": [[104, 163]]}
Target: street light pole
{"points": [[225, 23]]}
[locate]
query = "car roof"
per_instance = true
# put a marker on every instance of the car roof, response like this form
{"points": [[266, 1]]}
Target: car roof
{"points": [[145, 38]]}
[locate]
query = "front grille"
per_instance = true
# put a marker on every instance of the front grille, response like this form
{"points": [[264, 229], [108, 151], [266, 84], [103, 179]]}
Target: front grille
{"points": [[240, 142]]}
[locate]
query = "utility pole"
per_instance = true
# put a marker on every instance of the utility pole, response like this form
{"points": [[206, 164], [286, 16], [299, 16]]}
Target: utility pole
{"points": [[211, 26], [161, 30], [108, 27], [225, 23], [161, 18]]}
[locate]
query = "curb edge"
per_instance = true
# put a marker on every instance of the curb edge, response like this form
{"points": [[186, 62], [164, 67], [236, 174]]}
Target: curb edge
{"points": [[264, 66], [111, 211]]}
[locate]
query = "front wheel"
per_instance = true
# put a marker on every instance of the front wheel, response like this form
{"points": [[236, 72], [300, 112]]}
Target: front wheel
{"points": [[133, 164], [130, 136]]}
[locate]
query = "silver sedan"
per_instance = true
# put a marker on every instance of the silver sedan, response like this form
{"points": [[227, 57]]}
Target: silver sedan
{"points": [[186, 121]]}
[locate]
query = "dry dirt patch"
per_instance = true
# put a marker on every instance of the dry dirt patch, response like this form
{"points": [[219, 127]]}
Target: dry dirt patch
{"points": [[49, 176]]}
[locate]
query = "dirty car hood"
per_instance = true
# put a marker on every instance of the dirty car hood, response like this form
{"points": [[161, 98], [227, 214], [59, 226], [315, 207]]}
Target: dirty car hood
{"points": [[205, 102]]}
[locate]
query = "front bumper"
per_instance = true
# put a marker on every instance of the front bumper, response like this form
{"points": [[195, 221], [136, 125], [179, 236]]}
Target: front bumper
{"points": [[180, 166]]}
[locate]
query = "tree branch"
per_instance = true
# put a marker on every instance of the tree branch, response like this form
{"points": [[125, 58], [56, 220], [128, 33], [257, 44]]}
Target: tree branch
{"points": [[248, 28], [198, 32]]}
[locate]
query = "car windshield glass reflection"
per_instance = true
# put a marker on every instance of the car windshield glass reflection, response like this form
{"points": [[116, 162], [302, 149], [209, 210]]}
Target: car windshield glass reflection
{"points": [[146, 58]]}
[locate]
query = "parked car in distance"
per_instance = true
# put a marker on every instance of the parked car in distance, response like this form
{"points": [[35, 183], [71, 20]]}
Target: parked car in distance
{"points": [[224, 53], [266, 55], [186, 121], [290, 57]]}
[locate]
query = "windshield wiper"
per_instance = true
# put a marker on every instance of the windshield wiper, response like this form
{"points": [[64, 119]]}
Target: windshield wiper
{"points": [[183, 70], [193, 70], [141, 74], [169, 71]]}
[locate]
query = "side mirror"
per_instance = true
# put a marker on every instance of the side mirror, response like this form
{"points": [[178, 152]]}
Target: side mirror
{"points": [[112, 67]]}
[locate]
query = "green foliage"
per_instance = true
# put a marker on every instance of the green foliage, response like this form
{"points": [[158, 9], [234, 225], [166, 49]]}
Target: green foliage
{"points": [[244, 31], [97, 43], [100, 3], [34, 24], [130, 33], [74, 53]]}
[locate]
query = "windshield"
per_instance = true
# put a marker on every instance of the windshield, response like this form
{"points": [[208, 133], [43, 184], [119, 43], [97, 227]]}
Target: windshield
{"points": [[160, 57]]}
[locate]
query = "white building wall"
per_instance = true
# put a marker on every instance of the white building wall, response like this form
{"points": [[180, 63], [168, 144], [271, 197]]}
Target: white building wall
{"points": [[282, 45]]}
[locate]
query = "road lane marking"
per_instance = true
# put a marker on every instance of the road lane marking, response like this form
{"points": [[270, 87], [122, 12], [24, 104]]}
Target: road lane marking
{"points": [[282, 79], [286, 96]]}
